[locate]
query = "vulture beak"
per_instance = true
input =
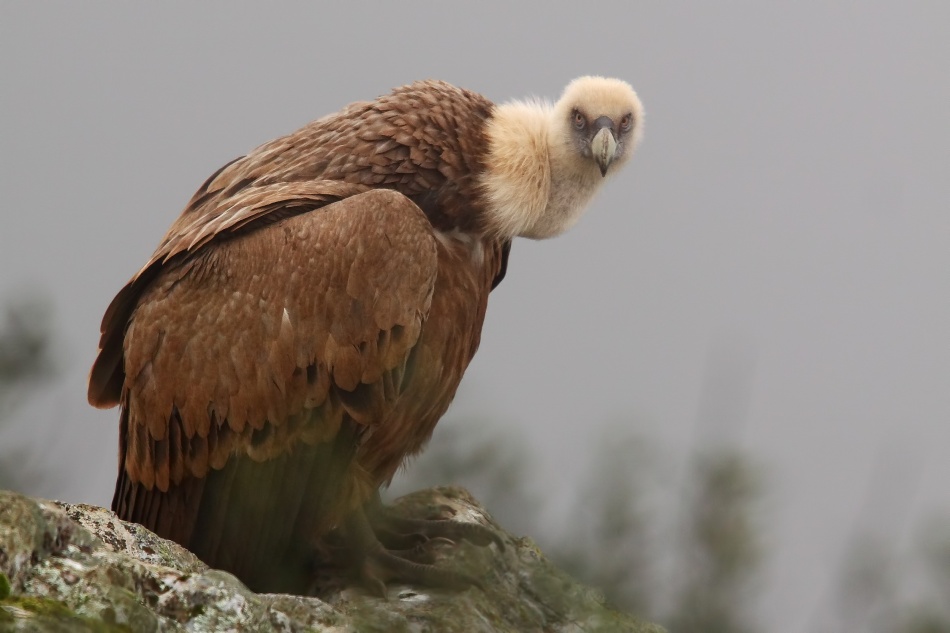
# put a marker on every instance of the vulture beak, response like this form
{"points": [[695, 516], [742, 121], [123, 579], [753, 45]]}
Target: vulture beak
{"points": [[604, 144]]}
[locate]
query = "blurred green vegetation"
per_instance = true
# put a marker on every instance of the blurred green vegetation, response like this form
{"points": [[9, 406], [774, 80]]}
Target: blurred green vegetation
{"points": [[887, 588], [25, 363], [721, 546]]}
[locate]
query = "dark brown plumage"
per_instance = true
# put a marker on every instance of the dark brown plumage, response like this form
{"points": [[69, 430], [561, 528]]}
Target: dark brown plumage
{"points": [[306, 321]]}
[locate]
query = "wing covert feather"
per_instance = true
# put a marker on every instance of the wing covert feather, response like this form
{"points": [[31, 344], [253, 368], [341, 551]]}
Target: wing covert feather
{"points": [[190, 232], [407, 140], [271, 336]]}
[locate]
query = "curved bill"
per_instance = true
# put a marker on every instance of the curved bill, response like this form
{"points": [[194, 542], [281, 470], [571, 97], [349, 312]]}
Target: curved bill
{"points": [[604, 148]]}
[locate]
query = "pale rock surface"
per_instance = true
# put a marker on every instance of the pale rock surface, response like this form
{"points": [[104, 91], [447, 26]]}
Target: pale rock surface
{"points": [[67, 567]]}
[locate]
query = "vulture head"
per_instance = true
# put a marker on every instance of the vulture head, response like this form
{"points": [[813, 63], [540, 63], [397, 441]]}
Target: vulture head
{"points": [[546, 161], [598, 120]]}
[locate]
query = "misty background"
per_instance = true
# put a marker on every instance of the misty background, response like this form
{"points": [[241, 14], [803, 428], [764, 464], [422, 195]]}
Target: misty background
{"points": [[767, 279]]}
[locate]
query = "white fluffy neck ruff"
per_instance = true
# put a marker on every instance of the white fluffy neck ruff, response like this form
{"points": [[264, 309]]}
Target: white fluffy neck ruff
{"points": [[536, 185]]}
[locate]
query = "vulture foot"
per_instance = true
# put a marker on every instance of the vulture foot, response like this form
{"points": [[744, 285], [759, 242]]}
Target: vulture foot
{"points": [[385, 547]]}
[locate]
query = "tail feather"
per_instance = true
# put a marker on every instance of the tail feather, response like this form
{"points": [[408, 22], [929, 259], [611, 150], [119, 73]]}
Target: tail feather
{"points": [[257, 520]]}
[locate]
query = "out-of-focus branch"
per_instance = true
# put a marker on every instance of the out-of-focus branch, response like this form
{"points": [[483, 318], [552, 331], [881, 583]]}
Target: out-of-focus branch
{"points": [[722, 549], [24, 346], [24, 362]]}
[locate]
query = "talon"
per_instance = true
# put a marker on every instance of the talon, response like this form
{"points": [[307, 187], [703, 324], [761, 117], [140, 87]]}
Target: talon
{"points": [[396, 568], [447, 529], [440, 540]]}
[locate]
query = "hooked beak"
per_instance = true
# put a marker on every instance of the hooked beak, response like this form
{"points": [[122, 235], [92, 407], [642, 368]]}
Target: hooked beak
{"points": [[604, 147]]}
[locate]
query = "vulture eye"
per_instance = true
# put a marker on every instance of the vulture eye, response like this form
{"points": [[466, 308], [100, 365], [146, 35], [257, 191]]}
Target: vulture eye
{"points": [[626, 122], [579, 121]]}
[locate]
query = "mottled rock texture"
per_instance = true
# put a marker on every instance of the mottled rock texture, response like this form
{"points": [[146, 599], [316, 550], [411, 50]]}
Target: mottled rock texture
{"points": [[67, 567]]}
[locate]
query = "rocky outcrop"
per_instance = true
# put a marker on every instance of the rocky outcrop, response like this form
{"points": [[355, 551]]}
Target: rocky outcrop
{"points": [[66, 567]]}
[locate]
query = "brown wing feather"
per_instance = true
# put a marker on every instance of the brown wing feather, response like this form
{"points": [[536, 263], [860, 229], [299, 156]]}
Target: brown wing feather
{"points": [[249, 335], [425, 140], [257, 204]]}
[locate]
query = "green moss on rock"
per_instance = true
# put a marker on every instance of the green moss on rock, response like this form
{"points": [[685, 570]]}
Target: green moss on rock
{"points": [[31, 613]]}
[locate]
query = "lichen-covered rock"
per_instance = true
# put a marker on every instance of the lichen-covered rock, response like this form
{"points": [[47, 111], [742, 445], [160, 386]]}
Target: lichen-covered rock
{"points": [[70, 567]]}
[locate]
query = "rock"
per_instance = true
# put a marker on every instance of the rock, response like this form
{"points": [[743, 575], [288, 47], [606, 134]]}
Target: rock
{"points": [[66, 567]]}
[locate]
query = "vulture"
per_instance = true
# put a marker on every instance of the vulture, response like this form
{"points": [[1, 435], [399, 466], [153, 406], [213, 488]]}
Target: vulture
{"points": [[306, 321]]}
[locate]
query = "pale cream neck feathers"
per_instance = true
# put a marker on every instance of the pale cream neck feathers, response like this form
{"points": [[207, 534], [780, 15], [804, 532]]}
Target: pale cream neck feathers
{"points": [[538, 183]]}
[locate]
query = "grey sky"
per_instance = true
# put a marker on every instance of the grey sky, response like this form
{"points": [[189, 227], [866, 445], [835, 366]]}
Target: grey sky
{"points": [[772, 269]]}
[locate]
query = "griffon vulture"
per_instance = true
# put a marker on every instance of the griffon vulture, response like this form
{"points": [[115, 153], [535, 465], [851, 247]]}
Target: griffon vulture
{"points": [[307, 319]]}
